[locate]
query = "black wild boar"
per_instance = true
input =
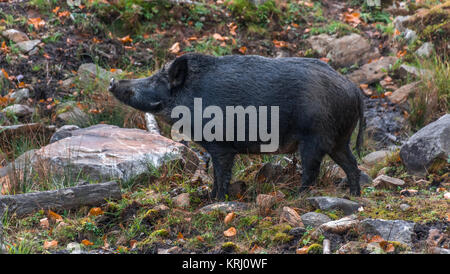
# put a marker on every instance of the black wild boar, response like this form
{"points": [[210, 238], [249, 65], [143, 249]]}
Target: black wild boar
{"points": [[318, 108]]}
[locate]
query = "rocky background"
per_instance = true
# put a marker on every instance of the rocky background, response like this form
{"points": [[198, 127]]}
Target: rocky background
{"points": [[82, 173]]}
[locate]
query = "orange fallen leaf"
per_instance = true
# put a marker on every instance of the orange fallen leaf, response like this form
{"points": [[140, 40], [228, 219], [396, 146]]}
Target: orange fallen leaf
{"points": [[86, 242], [63, 14], [200, 238], [219, 37], [51, 244], [95, 211], [36, 22], [230, 232], [180, 236], [279, 44], [229, 217], [5, 74], [126, 39], [325, 59], [243, 49], [55, 10], [54, 216], [376, 239], [352, 18], [302, 250]]}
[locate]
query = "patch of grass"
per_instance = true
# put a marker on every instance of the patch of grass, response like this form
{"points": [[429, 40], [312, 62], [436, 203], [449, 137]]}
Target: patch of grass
{"points": [[432, 98], [246, 12], [335, 27]]}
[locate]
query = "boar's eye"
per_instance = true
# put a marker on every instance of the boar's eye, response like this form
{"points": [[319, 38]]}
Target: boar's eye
{"points": [[178, 72]]}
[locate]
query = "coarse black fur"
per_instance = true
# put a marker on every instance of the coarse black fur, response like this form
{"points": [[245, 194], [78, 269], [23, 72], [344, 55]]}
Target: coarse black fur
{"points": [[318, 107]]}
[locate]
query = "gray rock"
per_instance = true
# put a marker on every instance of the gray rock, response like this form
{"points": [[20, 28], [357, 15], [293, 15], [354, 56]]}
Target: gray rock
{"points": [[396, 230], [373, 72], [399, 22], [321, 43], [105, 152], [364, 179], [63, 132], [225, 207], [410, 35], [70, 113], [27, 46], [425, 50], [15, 35], [387, 181], [314, 219], [19, 110], [351, 49], [330, 203], [182, 200], [405, 207], [340, 226], [90, 71], [20, 95], [375, 157], [297, 231], [291, 216], [400, 95], [74, 248], [426, 146], [406, 70]]}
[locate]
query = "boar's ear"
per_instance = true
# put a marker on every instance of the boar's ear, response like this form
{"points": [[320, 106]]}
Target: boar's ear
{"points": [[178, 72]]}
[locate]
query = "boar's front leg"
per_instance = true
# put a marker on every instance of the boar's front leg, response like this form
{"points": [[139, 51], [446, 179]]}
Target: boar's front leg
{"points": [[222, 164]]}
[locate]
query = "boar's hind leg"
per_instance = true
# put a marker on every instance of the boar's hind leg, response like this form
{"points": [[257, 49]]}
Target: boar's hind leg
{"points": [[311, 154], [344, 158], [223, 164]]}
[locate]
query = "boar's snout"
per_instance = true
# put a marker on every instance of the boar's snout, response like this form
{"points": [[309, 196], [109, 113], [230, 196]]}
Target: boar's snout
{"points": [[112, 84]]}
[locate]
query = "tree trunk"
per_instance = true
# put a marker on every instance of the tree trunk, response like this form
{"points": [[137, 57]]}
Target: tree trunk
{"points": [[67, 198]]}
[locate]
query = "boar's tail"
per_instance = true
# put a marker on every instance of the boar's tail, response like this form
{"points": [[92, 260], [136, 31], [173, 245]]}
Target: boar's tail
{"points": [[359, 139]]}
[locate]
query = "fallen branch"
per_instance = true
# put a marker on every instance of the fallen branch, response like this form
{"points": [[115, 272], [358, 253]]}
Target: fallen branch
{"points": [[67, 198]]}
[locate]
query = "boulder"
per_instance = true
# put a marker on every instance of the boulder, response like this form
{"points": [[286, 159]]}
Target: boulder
{"points": [[405, 70], [314, 219], [27, 46], [63, 132], [340, 226], [19, 110], [372, 72], [70, 113], [387, 182], [389, 230], [320, 43], [291, 216], [400, 95], [427, 145], [330, 203], [224, 207], [351, 49], [15, 35], [375, 157], [182, 200], [425, 50], [107, 152], [20, 95]]}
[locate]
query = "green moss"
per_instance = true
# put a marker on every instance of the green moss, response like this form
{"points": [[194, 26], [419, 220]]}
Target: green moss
{"points": [[315, 249], [160, 233], [282, 238], [230, 247]]}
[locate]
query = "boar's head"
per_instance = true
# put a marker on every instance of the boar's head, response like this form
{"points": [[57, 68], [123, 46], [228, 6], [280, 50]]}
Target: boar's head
{"points": [[155, 93]]}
